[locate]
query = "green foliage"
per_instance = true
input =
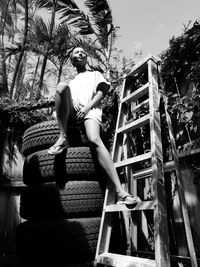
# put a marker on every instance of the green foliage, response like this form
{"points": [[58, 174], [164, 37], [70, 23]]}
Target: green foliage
{"points": [[181, 61], [110, 111], [181, 80], [19, 116]]}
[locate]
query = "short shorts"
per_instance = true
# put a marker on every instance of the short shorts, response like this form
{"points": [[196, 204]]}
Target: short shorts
{"points": [[94, 113]]}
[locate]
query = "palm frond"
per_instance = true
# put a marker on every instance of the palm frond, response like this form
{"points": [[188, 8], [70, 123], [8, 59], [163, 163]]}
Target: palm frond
{"points": [[76, 18], [61, 40], [12, 49], [64, 3], [102, 17], [61, 35], [40, 30], [97, 6], [43, 3], [59, 3]]}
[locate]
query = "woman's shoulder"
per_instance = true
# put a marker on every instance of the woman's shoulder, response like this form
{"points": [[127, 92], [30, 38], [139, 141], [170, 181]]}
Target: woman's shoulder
{"points": [[96, 73], [63, 83]]}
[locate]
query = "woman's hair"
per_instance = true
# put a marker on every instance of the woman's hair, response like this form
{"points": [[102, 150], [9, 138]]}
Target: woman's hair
{"points": [[70, 55]]}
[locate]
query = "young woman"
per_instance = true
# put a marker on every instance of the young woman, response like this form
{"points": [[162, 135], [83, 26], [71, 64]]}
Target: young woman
{"points": [[81, 99]]}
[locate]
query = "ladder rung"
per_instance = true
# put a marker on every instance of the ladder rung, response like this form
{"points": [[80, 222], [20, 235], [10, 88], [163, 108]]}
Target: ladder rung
{"points": [[142, 173], [136, 94], [134, 125], [167, 166], [188, 152], [117, 260], [144, 205], [138, 107], [132, 160]]}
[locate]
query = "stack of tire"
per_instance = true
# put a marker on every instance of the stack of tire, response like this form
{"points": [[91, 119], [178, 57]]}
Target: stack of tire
{"points": [[62, 201]]}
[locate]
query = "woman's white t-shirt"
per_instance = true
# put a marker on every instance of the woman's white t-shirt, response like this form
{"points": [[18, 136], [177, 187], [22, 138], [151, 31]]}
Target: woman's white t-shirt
{"points": [[84, 87]]}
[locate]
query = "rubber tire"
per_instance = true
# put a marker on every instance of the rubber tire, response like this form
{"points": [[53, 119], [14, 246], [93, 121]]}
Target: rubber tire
{"points": [[44, 134], [75, 163], [61, 241], [75, 199]]}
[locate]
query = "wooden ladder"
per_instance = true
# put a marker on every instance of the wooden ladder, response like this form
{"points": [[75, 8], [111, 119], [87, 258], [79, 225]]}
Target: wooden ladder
{"points": [[139, 109]]}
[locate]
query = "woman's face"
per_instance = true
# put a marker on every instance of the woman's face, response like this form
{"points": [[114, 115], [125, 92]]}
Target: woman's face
{"points": [[78, 57]]}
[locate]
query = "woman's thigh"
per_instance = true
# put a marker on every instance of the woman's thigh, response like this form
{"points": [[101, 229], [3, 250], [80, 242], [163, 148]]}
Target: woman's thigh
{"points": [[92, 128], [66, 104]]}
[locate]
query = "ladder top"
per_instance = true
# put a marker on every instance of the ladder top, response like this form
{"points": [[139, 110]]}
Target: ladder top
{"points": [[142, 62]]}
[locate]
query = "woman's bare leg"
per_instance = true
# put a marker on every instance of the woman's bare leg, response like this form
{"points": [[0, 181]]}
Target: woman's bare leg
{"points": [[64, 107], [103, 156]]}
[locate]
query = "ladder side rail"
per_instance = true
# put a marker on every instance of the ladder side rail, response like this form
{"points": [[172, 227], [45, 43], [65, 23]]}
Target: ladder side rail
{"points": [[160, 220], [182, 200], [115, 150], [106, 224], [110, 195], [133, 226]]}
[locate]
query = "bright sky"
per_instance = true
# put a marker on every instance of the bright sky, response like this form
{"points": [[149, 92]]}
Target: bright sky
{"points": [[148, 25]]}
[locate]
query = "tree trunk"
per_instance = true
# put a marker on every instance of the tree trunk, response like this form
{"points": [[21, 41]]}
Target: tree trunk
{"points": [[34, 78], [12, 93], [20, 78], [3, 75], [59, 73], [46, 56]]}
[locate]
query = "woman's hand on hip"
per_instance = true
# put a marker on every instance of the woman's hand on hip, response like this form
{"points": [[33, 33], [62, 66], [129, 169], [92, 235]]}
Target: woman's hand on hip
{"points": [[82, 113], [77, 105]]}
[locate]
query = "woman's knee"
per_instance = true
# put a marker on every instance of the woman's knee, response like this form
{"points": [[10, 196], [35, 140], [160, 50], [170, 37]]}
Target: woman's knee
{"points": [[62, 87]]}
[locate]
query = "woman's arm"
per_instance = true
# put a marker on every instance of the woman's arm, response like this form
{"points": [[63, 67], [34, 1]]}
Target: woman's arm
{"points": [[102, 89], [93, 103]]}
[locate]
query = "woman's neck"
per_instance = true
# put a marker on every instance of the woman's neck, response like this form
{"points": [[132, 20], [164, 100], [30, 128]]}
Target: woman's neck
{"points": [[81, 69]]}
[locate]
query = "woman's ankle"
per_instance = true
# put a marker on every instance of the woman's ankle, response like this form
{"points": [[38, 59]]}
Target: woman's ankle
{"points": [[63, 136], [121, 194]]}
